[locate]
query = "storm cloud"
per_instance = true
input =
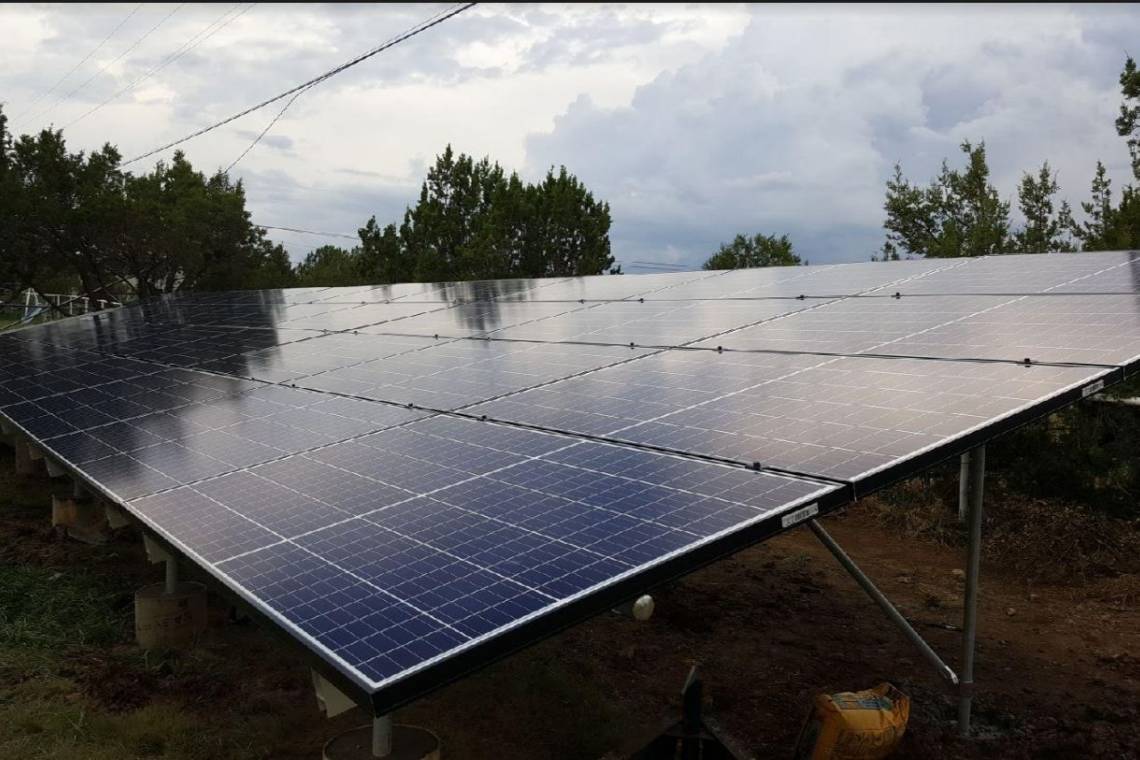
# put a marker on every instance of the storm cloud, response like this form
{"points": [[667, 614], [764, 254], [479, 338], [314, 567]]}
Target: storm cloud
{"points": [[694, 122]]}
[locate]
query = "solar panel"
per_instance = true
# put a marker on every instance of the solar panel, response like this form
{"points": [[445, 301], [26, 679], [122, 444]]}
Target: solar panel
{"points": [[414, 479], [391, 550]]}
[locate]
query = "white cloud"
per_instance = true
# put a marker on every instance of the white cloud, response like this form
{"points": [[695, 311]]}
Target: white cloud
{"points": [[695, 122], [794, 126]]}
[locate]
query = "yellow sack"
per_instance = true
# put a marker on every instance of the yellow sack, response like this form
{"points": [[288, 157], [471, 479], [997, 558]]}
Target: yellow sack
{"points": [[860, 725]]}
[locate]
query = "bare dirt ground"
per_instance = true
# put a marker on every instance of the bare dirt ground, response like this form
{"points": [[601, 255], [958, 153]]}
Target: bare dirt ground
{"points": [[1058, 665]]}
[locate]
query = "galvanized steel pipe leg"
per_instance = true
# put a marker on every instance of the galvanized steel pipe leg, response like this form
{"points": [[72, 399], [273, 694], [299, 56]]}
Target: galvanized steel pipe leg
{"points": [[171, 575], [964, 487], [976, 481], [382, 736], [885, 604]]}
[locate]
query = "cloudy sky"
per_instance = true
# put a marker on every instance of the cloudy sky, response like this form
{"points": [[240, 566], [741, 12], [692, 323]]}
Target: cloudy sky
{"points": [[694, 122]]}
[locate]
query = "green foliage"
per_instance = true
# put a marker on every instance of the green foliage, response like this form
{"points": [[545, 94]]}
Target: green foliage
{"points": [[381, 257], [1107, 227], [41, 608], [454, 205], [77, 220], [757, 251], [472, 221], [1045, 230], [1085, 454], [1099, 214], [1128, 123], [958, 214], [329, 266]]}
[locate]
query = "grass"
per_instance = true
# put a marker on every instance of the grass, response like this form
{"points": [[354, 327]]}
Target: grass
{"points": [[72, 685], [40, 607]]}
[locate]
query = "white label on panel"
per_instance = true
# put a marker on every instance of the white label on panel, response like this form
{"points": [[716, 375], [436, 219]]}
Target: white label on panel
{"points": [[1092, 388], [801, 514]]}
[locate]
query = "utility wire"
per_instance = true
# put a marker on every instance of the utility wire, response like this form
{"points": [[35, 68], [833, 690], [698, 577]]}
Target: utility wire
{"points": [[204, 34], [268, 126], [117, 58], [412, 32], [75, 68], [655, 265], [308, 232]]}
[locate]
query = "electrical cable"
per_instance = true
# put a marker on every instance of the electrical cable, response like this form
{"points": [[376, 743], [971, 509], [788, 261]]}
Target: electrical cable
{"points": [[412, 32], [117, 58], [204, 34], [75, 68]]}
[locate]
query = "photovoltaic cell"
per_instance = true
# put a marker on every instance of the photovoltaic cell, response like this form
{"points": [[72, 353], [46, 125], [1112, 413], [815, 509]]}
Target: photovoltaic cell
{"points": [[454, 374], [453, 559], [834, 417], [268, 435], [1101, 329], [476, 319], [855, 325], [652, 323], [815, 281], [1031, 273]]}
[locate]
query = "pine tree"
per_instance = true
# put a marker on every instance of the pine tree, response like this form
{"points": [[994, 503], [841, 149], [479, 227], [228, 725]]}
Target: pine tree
{"points": [[1044, 230], [958, 214]]}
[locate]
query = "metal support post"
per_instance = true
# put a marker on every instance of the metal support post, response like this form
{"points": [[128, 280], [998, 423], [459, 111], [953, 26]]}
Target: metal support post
{"points": [[976, 482], [382, 736], [884, 604], [963, 486], [171, 575]]}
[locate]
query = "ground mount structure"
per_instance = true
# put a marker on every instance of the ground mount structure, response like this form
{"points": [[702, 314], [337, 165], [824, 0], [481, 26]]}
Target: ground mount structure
{"points": [[413, 480]]}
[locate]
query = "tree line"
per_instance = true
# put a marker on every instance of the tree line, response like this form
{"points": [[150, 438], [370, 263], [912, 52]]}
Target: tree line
{"points": [[76, 221], [960, 213], [473, 221]]}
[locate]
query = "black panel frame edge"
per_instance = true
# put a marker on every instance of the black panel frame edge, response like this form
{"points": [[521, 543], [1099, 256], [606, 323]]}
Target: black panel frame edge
{"points": [[360, 693], [431, 678], [883, 478]]}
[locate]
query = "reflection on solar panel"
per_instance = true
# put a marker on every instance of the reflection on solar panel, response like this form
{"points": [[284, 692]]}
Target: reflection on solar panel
{"points": [[414, 479]]}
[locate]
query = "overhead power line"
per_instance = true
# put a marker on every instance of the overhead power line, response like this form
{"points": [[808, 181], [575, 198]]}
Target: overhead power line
{"points": [[75, 68], [656, 265], [308, 232], [203, 34], [268, 126], [419, 28], [106, 66]]}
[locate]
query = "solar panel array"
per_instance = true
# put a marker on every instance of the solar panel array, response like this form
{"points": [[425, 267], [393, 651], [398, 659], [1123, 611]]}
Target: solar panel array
{"points": [[413, 479]]}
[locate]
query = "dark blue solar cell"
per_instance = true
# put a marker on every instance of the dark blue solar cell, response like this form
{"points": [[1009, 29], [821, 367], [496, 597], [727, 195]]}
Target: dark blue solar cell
{"points": [[46, 426], [344, 490], [126, 478], [385, 537], [79, 448], [124, 436], [180, 463], [204, 526], [279, 509]]}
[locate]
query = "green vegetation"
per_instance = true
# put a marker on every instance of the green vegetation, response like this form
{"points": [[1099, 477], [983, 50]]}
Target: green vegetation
{"points": [[39, 609], [474, 222], [958, 214], [79, 222], [961, 214], [757, 251], [76, 220]]}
